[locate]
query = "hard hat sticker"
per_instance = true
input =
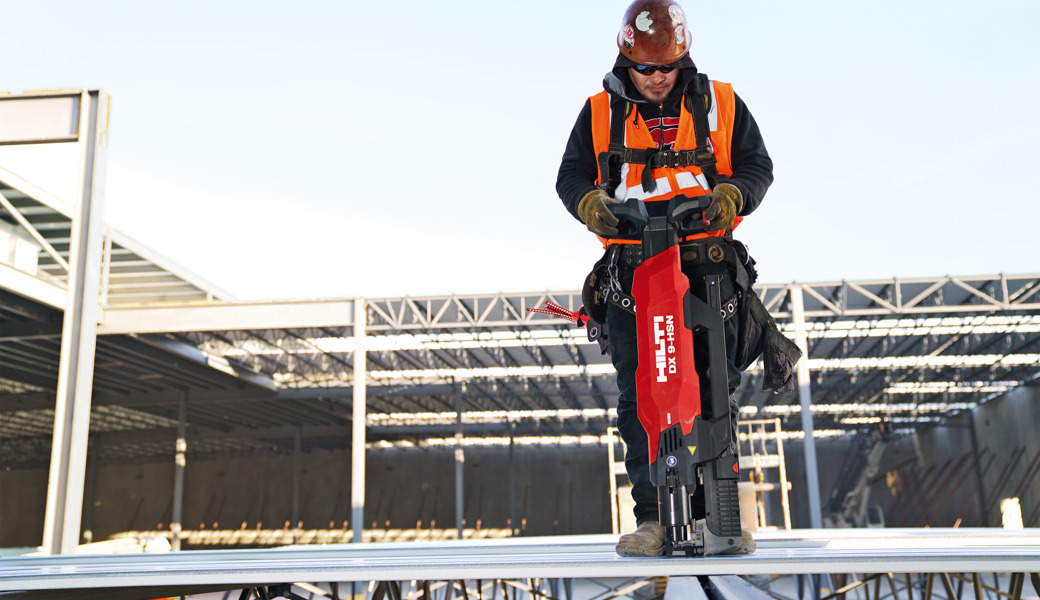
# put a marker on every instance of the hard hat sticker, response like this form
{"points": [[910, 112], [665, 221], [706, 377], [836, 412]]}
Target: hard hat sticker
{"points": [[628, 37], [680, 36], [676, 14], [643, 21]]}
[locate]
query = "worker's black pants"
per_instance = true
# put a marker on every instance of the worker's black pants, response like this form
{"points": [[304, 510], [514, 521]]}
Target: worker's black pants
{"points": [[621, 328]]}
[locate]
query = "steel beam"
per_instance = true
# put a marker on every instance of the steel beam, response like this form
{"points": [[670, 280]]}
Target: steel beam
{"points": [[230, 316], [684, 588], [42, 118], [909, 297], [179, 464], [30, 286], [79, 334], [513, 522], [297, 472], [460, 461], [357, 470], [731, 587], [812, 476]]}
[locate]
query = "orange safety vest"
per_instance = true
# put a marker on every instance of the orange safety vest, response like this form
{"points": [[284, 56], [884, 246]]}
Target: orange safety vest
{"points": [[671, 181]]}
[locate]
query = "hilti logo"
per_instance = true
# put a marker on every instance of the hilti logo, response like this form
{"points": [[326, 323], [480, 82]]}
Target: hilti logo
{"points": [[664, 340]]}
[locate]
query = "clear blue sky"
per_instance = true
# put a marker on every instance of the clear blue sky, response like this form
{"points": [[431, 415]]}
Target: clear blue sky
{"points": [[330, 149]]}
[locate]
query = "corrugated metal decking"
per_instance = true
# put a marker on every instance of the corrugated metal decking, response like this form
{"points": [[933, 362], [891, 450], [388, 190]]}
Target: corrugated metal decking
{"points": [[796, 552]]}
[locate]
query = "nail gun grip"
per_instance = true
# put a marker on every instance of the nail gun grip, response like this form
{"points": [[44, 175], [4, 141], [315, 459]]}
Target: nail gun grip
{"points": [[688, 214], [632, 216]]}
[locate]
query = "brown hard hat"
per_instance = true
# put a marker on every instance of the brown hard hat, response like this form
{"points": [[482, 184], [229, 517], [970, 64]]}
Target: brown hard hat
{"points": [[654, 32]]}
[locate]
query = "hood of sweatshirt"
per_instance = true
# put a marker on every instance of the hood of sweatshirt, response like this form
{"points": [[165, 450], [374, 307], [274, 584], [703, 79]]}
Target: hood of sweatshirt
{"points": [[618, 82]]}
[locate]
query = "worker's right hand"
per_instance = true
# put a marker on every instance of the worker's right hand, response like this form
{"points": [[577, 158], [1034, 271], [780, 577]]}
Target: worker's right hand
{"points": [[593, 211]]}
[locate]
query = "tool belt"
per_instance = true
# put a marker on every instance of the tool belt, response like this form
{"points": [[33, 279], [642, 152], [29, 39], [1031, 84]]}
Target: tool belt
{"points": [[704, 251], [602, 285], [758, 335]]}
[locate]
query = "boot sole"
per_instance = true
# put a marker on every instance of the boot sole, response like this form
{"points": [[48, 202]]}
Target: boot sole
{"points": [[639, 551], [629, 550]]}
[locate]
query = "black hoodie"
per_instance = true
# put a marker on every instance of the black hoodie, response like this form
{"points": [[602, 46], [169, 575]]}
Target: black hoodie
{"points": [[752, 167]]}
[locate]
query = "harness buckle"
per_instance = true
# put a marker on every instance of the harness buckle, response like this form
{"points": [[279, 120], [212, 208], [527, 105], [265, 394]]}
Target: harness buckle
{"points": [[668, 158]]}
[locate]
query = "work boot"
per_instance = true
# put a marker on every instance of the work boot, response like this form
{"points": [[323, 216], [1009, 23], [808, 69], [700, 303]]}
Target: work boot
{"points": [[646, 540], [747, 544]]}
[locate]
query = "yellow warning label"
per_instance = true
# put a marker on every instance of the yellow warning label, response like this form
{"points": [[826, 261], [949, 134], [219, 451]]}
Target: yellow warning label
{"points": [[693, 449]]}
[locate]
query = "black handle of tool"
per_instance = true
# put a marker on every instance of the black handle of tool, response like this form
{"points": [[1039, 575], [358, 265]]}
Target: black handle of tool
{"points": [[632, 218], [684, 213], [687, 214]]}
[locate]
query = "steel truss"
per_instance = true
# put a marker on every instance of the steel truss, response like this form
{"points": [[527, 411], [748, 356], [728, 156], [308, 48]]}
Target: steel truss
{"points": [[879, 297], [909, 351], [915, 350]]}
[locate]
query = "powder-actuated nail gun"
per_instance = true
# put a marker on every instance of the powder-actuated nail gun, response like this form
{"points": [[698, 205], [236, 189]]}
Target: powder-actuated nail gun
{"points": [[686, 416]]}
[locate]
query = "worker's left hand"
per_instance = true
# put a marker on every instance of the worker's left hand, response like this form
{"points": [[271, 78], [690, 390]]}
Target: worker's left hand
{"points": [[726, 202]]}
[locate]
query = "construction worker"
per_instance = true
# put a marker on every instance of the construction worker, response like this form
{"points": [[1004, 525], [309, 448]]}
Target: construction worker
{"points": [[651, 95]]}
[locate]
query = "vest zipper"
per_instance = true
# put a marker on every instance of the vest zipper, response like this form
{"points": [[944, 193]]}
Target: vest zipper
{"points": [[660, 126]]}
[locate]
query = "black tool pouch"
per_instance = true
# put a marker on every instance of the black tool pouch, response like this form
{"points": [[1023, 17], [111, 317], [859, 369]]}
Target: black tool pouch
{"points": [[779, 354], [596, 304], [749, 333], [591, 296], [597, 332]]}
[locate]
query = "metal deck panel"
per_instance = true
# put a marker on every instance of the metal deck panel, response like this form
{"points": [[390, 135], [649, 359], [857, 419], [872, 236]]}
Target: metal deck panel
{"points": [[803, 552]]}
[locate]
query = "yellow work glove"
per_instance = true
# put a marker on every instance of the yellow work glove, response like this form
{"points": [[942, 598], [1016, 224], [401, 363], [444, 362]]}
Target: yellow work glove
{"points": [[726, 202], [593, 211]]}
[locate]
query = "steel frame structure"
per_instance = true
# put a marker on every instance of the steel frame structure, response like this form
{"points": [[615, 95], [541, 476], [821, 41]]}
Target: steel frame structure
{"points": [[167, 353], [941, 351]]}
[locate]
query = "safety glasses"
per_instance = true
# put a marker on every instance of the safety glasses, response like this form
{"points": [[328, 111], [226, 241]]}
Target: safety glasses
{"points": [[648, 70]]}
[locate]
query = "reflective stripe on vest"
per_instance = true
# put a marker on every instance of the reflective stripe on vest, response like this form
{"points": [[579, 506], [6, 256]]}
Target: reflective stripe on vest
{"points": [[671, 181]]}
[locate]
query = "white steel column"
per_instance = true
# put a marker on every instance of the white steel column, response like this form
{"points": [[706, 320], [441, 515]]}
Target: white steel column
{"points": [[460, 461], [357, 464], [78, 336], [812, 476], [297, 468], [514, 529], [179, 464]]}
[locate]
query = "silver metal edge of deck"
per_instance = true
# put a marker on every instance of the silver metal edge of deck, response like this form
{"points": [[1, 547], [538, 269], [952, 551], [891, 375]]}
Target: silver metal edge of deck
{"points": [[798, 552]]}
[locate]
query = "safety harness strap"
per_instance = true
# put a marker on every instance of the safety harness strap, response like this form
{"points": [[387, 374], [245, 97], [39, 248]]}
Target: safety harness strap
{"points": [[703, 156], [701, 131], [610, 161]]}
